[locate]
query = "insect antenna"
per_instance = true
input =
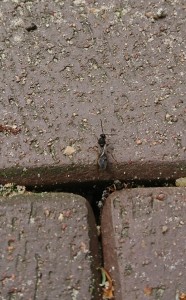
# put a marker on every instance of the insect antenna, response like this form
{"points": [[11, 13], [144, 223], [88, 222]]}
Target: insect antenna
{"points": [[101, 125], [103, 131]]}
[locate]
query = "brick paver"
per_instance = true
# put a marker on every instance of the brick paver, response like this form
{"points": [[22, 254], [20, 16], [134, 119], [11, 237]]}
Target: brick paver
{"points": [[48, 248], [143, 233], [121, 62]]}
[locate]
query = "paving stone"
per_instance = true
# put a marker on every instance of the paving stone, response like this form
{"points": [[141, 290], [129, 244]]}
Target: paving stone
{"points": [[143, 233], [67, 64], [48, 248]]}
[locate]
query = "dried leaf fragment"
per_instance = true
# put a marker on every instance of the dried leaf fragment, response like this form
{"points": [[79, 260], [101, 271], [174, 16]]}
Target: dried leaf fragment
{"points": [[107, 285], [182, 296]]}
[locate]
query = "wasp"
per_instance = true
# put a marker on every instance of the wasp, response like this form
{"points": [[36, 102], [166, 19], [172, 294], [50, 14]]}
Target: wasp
{"points": [[102, 159]]}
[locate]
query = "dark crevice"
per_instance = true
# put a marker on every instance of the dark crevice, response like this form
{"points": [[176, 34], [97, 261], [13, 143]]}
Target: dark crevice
{"points": [[93, 190], [31, 212], [38, 275]]}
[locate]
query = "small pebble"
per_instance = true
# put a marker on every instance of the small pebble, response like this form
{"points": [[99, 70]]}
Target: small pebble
{"points": [[138, 142], [160, 197], [164, 229], [69, 150]]}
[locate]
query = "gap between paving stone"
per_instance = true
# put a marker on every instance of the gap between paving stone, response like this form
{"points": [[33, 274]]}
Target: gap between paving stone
{"points": [[83, 173], [92, 190]]}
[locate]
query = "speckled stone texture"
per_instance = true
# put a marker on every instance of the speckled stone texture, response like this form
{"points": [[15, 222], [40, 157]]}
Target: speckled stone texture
{"points": [[143, 234], [48, 248], [64, 65]]}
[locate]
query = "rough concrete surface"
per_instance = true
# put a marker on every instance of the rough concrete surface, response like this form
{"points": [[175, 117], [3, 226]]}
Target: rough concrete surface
{"points": [[48, 248], [143, 234], [64, 65]]}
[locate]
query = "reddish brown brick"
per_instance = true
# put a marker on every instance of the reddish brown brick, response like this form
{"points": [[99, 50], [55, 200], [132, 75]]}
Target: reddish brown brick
{"points": [[64, 65], [143, 232], [48, 248]]}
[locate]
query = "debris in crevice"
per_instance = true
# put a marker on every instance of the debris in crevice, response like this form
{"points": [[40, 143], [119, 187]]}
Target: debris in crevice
{"points": [[107, 285], [11, 189]]}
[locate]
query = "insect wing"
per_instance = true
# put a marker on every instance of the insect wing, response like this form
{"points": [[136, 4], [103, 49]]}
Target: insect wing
{"points": [[102, 161]]}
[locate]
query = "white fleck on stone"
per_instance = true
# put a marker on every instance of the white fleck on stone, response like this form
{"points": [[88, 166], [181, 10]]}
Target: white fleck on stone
{"points": [[74, 294], [32, 220], [18, 38], [79, 2], [164, 229], [61, 217]]}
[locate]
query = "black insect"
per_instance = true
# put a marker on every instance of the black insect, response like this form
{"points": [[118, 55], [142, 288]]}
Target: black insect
{"points": [[116, 186], [102, 140], [102, 159]]}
